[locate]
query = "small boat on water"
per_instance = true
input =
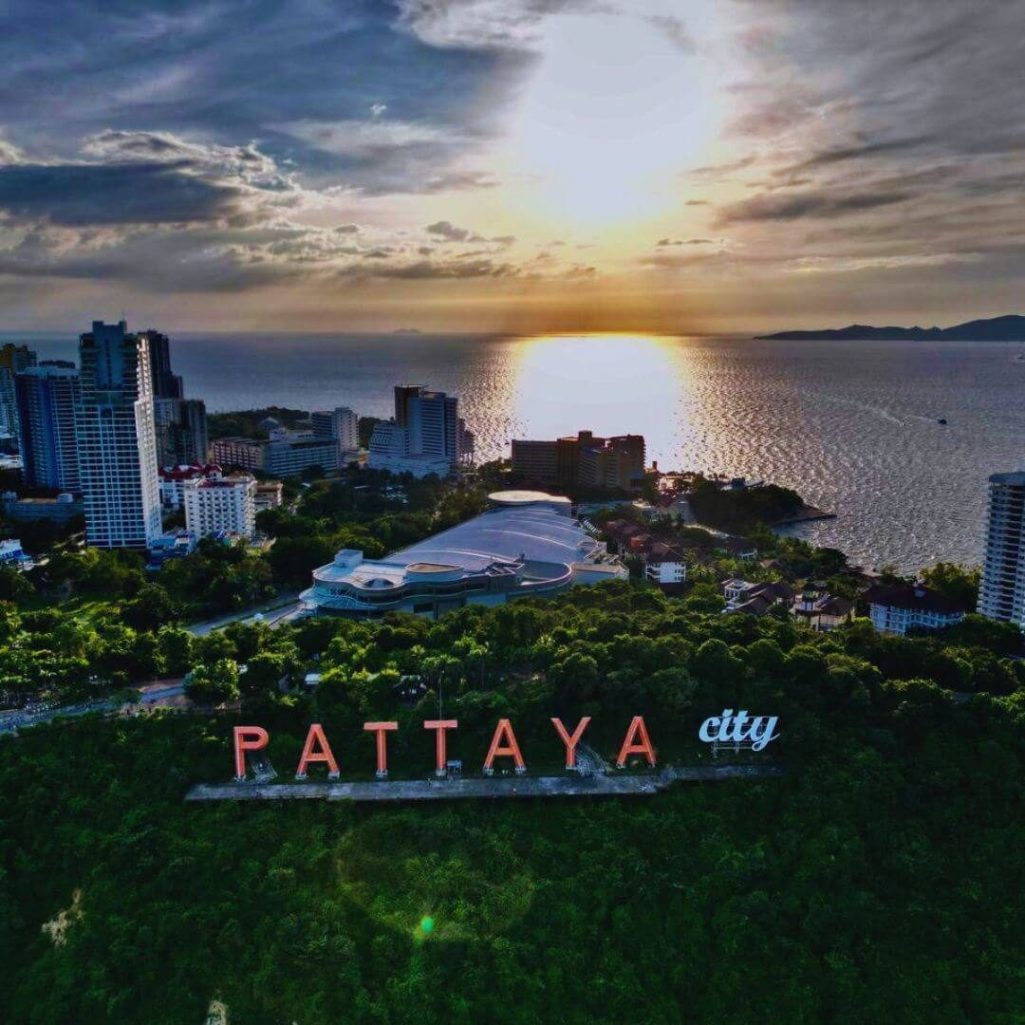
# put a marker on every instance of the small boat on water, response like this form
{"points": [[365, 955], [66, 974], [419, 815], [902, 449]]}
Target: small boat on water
{"points": [[942, 420]]}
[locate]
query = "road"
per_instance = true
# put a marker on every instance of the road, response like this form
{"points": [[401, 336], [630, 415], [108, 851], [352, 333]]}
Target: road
{"points": [[11, 723], [283, 609]]}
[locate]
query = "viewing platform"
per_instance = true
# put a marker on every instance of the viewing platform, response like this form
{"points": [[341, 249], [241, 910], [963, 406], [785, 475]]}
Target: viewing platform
{"points": [[462, 788]]}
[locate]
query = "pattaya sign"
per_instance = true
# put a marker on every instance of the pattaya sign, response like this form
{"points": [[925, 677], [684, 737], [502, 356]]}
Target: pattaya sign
{"points": [[728, 728]]}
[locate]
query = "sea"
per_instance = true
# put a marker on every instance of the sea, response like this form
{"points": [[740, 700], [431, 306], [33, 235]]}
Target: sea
{"points": [[896, 438]]}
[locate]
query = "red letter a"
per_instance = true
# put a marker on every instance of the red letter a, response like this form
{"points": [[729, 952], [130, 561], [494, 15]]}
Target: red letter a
{"points": [[247, 738], [315, 735], [636, 742], [504, 731]]}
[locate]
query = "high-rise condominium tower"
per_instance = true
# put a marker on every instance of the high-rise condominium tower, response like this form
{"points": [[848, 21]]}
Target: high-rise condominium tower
{"points": [[181, 431], [116, 441], [48, 397], [1002, 594], [342, 424], [166, 385], [13, 360]]}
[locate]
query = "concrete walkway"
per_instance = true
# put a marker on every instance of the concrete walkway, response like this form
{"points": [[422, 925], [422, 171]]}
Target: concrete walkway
{"points": [[481, 788]]}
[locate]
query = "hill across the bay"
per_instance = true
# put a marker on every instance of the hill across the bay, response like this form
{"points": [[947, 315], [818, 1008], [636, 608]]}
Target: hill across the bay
{"points": [[1010, 328]]}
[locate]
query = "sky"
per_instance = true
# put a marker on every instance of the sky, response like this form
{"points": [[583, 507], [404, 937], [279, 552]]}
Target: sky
{"points": [[528, 166]]}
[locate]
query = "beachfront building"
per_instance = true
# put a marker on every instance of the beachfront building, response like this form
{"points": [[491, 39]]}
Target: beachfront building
{"points": [[283, 455], [584, 460], [425, 436], [389, 450], [220, 505], [1002, 592], [117, 458], [898, 608], [47, 398], [526, 544]]}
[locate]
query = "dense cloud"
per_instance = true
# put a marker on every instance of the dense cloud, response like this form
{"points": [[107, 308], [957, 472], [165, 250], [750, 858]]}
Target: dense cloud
{"points": [[162, 146], [80, 194], [792, 206]]}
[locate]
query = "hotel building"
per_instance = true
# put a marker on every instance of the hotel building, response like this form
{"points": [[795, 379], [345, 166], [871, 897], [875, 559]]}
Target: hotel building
{"points": [[583, 460], [340, 425], [216, 505], [174, 478], [426, 435], [280, 456], [116, 442], [47, 398], [1002, 592], [899, 608]]}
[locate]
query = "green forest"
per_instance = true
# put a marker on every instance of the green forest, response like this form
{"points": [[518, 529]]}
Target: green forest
{"points": [[878, 880]]}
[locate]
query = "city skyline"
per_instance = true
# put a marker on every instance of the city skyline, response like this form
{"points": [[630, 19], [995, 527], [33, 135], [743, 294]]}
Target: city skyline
{"points": [[509, 165]]}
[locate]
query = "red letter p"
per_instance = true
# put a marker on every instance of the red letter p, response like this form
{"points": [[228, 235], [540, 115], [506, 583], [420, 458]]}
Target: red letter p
{"points": [[247, 738]]}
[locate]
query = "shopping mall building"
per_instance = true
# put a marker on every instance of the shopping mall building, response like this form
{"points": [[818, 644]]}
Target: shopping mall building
{"points": [[528, 543]]}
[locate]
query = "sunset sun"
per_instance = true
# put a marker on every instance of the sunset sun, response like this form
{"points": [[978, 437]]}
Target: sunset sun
{"points": [[595, 144]]}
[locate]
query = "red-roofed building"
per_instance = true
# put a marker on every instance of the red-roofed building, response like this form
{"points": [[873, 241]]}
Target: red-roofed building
{"points": [[173, 478]]}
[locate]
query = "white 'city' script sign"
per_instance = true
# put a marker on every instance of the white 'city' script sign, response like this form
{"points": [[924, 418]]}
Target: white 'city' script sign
{"points": [[738, 728]]}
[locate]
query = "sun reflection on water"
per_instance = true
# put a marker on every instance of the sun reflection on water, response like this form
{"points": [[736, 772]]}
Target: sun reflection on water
{"points": [[607, 383]]}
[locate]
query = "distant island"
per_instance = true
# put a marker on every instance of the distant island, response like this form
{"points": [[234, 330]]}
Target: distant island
{"points": [[998, 329]]}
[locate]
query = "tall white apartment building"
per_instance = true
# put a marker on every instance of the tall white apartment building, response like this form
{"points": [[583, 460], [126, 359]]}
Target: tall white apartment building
{"points": [[116, 444], [341, 424], [1002, 593], [426, 435], [433, 425], [389, 450], [218, 504]]}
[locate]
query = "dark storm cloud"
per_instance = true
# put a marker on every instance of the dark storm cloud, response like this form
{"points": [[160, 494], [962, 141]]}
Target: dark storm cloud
{"points": [[80, 194], [151, 260]]}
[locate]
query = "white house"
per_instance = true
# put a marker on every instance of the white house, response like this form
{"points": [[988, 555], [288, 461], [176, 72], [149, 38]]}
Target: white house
{"points": [[899, 608]]}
